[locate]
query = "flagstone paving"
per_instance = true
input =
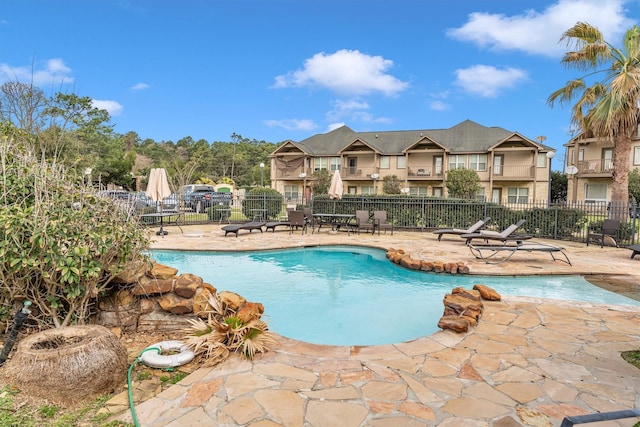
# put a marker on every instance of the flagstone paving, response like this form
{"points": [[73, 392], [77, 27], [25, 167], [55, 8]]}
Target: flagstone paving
{"points": [[529, 362]]}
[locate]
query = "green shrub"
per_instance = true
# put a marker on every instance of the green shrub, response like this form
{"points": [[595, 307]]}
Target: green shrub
{"points": [[262, 198], [60, 243]]}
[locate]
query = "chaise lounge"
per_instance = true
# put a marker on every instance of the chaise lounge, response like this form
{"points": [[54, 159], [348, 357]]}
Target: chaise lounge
{"points": [[504, 236], [459, 231], [235, 228], [495, 254]]}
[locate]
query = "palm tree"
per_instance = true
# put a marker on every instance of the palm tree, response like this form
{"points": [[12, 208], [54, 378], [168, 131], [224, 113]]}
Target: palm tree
{"points": [[608, 109]]}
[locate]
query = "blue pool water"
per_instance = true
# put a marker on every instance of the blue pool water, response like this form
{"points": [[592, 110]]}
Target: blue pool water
{"points": [[352, 295]]}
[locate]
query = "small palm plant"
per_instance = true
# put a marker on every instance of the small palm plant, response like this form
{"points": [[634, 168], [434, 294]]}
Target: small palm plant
{"points": [[224, 333]]}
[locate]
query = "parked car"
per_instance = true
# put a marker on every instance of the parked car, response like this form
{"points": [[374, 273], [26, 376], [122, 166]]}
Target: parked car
{"points": [[124, 198], [198, 197]]}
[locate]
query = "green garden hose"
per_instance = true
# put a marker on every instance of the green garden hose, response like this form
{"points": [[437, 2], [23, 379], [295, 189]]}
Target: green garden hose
{"points": [[130, 387]]}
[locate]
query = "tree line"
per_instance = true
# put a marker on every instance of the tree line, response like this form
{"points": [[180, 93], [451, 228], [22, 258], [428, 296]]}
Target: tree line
{"points": [[67, 129]]}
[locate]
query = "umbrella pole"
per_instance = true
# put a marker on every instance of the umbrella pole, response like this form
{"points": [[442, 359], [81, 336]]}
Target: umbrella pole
{"points": [[161, 232]]}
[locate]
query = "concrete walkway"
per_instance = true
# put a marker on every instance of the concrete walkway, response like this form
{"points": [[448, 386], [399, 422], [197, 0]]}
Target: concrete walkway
{"points": [[527, 363]]}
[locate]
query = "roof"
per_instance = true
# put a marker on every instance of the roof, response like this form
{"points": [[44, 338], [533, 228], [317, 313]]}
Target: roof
{"points": [[465, 137]]}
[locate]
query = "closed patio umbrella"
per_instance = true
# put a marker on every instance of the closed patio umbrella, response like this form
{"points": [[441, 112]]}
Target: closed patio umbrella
{"points": [[158, 189], [336, 188]]}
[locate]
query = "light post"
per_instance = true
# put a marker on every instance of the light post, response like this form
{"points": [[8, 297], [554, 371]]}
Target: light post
{"points": [[261, 174], [303, 176], [375, 177], [550, 155]]}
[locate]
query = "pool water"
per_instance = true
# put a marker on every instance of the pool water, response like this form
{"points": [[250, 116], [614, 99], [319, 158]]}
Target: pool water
{"points": [[352, 295]]}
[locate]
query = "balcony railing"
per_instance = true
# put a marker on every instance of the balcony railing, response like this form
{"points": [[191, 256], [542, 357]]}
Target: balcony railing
{"points": [[505, 173], [363, 173], [595, 167], [289, 173], [424, 172]]}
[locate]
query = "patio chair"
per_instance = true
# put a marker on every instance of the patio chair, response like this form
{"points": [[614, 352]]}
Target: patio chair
{"points": [[504, 236], [458, 231], [297, 220], [607, 235], [380, 221], [235, 228], [495, 254], [363, 222]]}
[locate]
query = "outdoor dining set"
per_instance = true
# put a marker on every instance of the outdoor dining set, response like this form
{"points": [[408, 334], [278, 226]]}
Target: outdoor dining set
{"points": [[360, 221]]}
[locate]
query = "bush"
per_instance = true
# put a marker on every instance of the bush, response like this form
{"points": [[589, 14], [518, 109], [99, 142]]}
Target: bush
{"points": [[263, 198], [60, 243]]}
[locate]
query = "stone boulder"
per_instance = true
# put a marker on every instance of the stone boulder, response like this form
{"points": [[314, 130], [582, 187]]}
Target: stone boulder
{"points": [[187, 285], [462, 306], [250, 311], [161, 271], [132, 272], [175, 304], [487, 293], [148, 286], [232, 300], [454, 323]]}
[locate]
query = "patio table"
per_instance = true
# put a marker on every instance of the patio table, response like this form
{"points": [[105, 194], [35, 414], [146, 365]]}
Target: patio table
{"points": [[168, 218], [335, 221]]}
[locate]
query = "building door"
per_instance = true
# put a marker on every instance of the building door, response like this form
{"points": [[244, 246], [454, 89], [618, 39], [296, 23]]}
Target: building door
{"points": [[498, 162], [437, 165], [353, 165], [607, 159], [496, 195]]}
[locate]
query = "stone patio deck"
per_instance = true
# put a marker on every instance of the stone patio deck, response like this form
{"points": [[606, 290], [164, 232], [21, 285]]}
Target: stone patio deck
{"points": [[528, 362]]}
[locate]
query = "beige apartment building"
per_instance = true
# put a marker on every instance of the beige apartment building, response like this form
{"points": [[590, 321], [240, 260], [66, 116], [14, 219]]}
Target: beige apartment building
{"points": [[512, 168], [589, 167]]}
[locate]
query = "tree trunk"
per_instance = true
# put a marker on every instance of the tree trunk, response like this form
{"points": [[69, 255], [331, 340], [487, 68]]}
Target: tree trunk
{"points": [[620, 175]]}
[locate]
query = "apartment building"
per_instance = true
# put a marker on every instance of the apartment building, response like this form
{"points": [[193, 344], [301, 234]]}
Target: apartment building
{"points": [[512, 168], [589, 168]]}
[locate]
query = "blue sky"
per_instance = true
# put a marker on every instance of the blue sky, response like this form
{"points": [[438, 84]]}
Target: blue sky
{"points": [[288, 69]]}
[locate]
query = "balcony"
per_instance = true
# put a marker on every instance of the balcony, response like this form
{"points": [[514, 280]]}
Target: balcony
{"points": [[424, 173], [356, 173], [289, 174], [514, 173], [602, 168]]}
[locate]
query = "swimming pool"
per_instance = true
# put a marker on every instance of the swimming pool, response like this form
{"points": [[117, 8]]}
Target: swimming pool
{"points": [[352, 295]]}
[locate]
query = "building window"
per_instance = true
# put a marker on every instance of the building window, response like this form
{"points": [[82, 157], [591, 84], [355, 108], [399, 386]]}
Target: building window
{"points": [[368, 189], [481, 195], [456, 161], [542, 160], [518, 195], [478, 162], [595, 192], [436, 191], [402, 162], [385, 162], [334, 163], [581, 155], [319, 163], [419, 191], [291, 192], [636, 156]]}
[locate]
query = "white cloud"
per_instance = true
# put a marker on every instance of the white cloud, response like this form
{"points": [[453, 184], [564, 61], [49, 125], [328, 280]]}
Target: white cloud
{"points": [[439, 106], [345, 72], [343, 109], [539, 32], [292, 124], [114, 108], [487, 81], [53, 72], [140, 86], [334, 126]]}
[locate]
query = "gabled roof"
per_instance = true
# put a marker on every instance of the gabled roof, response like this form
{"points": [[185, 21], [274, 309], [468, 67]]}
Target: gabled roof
{"points": [[288, 147], [465, 137]]}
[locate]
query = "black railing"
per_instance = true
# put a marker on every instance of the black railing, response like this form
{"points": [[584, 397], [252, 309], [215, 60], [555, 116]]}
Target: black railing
{"points": [[560, 221]]}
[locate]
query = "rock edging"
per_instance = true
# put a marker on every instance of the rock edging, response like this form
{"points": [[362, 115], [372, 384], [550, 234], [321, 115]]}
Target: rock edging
{"points": [[400, 257], [463, 307]]}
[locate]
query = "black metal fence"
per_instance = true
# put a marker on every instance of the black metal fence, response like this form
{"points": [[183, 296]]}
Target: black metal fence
{"points": [[560, 221]]}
